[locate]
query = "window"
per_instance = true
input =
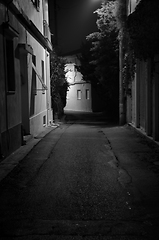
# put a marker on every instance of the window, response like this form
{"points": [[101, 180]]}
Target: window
{"points": [[10, 70], [10, 34], [36, 3], [43, 76], [44, 120], [78, 94], [34, 84], [87, 93], [40, 76]]}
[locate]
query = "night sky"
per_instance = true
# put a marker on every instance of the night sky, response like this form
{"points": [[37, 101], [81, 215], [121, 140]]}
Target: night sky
{"points": [[75, 20]]}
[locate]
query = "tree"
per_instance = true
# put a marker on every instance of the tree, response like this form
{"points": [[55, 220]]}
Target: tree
{"points": [[101, 66], [140, 35], [143, 28], [59, 84]]}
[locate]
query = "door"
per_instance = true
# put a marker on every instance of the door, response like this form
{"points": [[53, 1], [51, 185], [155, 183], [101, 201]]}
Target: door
{"points": [[24, 92]]}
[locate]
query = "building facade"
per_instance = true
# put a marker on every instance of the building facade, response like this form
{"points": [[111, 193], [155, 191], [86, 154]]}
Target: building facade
{"points": [[25, 102], [142, 101], [79, 96]]}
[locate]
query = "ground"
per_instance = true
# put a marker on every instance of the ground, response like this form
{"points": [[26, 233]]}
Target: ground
{"points": [[87, 179]]}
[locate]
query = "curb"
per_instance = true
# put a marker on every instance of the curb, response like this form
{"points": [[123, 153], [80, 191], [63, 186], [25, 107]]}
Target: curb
{"points": [[149, 139], [9, 163], [143, 134]]}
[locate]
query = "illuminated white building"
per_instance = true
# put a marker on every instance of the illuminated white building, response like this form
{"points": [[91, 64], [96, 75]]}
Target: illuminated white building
{"points": [[79, 96]]}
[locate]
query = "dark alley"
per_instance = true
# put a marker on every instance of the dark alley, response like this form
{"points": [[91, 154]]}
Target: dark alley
{"points": [[84, 180]]}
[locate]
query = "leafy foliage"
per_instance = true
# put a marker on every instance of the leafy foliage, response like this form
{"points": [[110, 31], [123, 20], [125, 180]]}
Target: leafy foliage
{"points": [[120, 14], [129, 60], [139, 33], [59, 84], [99, 61], [143, 28]]}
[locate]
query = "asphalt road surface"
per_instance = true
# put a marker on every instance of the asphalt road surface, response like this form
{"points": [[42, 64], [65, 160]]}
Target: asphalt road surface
{"points": [[68, 187]]}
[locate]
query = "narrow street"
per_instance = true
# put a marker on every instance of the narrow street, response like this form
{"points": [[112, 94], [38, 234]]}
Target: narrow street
{"points": [[87, 179]]}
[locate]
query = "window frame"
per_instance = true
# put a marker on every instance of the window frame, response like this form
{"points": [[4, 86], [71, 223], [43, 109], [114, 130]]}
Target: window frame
{"points": [[87, 94], [79, 96], [9, 51], [43, 75], [10, 65], [34, 76]]}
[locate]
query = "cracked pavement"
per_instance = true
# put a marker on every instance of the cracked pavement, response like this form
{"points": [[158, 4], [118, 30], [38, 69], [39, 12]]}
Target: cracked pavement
{"points": [[87, 179]]}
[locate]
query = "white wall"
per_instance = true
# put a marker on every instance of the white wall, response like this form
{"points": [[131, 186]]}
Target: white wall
{"points": [[75, 104], [77, 83]]}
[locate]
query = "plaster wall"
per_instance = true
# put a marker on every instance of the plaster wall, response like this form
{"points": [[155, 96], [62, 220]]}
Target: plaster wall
{"points": [[79, 96], [37, 98], [27, 7], [38, 101], [26, 102], [75, 104]]}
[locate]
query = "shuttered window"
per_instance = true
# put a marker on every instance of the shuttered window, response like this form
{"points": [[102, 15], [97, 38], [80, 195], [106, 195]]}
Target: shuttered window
{"points": [[10, 70]]}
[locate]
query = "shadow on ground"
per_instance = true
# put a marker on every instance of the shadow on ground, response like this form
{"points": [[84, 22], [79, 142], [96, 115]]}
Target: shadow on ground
{"points": [[90, 118]]}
